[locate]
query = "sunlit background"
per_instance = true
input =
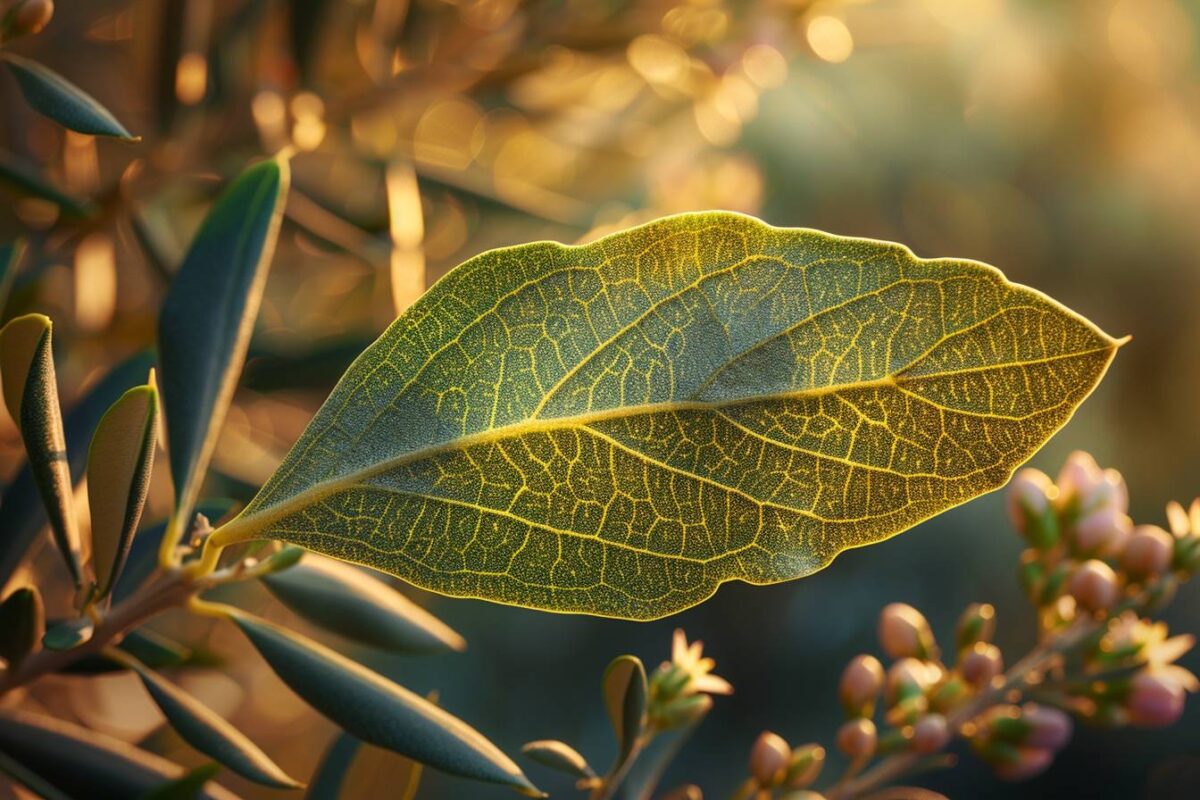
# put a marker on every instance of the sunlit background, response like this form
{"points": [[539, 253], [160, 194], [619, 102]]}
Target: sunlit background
{"points": [[1059, 141]]}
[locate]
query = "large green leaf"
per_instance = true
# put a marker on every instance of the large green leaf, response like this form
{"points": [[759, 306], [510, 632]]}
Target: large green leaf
{"points": [[349, 602], [87, 764], [31, 394], [53, 96], [206, 321], [377, 710], [620, 427]]}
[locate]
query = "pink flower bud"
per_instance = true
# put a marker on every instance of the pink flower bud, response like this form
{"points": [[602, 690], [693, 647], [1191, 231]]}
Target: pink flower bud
{"points": [[1029, 762], [1029, 494], [910, 677], [861, 681], [930, 734], [1049, 727], [1103, 531], [1094, 586], [28, 17], [904, 632], [1155, 700], [1078, 478], [857, 738], [1148, 551], [769, 759], [805, 766], [981, 666]]}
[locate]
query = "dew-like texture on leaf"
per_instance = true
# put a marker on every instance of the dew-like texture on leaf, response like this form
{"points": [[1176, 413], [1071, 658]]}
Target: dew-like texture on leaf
{"points": [[620, 427], [53, 96]]}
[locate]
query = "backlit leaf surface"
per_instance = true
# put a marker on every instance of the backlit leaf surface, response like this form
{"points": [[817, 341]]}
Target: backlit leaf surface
{"points": [[53, 96], [618, 428]]}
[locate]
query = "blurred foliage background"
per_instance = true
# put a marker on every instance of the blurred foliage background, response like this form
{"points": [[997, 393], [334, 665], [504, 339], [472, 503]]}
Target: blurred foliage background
{"points": [[1059, 141]]}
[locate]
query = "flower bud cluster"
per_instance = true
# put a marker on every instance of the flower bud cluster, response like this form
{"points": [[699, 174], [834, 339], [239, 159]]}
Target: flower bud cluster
{"points": [[776, 764], [1020, 741]]}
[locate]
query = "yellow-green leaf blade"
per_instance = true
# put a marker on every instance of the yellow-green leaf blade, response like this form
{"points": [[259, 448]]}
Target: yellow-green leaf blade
{"points": [[206, 320], [53, 96], [120, 461], [31, 395], [620, 427]]}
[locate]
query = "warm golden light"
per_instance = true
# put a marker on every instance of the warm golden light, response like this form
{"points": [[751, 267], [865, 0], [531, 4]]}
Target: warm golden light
{"points": [[829, 39]]}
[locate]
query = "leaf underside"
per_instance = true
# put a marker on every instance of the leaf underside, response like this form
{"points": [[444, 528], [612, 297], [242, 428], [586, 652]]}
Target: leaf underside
{"points": [[618, 428]]}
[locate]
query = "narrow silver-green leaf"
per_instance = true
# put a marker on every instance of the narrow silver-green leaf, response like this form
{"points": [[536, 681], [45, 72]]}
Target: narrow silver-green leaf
{"points": [[620, 427], [207, 731], [331, 774], [88, 764], [31, 394], [68, 634], [10, 254], [120, 461], [206, 319], [560, 756], [53, 96], [349, 602], [378, 711], [22, 624], [625, 701], [27, 178]]}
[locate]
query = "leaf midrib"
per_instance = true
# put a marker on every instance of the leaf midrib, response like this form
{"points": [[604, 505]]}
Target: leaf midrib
{"points": [[248, 526]]}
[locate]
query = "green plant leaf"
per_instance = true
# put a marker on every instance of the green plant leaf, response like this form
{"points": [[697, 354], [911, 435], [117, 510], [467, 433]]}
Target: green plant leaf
{"points": [[625, 701], [68, 634], [85, 763], [22, 624], [377, 710], [24, 513], [10, 254], [31, 394], [185, 787], [331, 774], [349, 602], [207, 731], [41, 788], [147, 646], [53, 96], [618, 428], [28, 179], [206, 321], [120, 460], [560, 756]]}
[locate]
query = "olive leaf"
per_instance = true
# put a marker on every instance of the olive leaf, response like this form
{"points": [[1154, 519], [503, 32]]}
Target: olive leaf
{"points": [[87, 763], [120, 460], [378, 711], [620, 427], [335, 765], [31, 395], [24, 513], [68, 634], [206, 320], [149, 647], [53, 96], [560, 756], [625, 701], [349, 602], [205, 730], [30, 180], [22, 624]]}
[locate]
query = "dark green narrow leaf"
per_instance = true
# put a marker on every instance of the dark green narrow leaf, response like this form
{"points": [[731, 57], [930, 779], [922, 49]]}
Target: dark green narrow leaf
{"points": [[149, 647], [69, 634], [560, 756], [29, 180], [349, 602], [647, 770], [87, 764], [331, 774], [206, 320], [22, 624], [10, 254], [31, 394], [378, 711], [186, 787], [625, 700], [206, 730], [120, 460], [53, 96], [29, 779], [24, 514]]}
